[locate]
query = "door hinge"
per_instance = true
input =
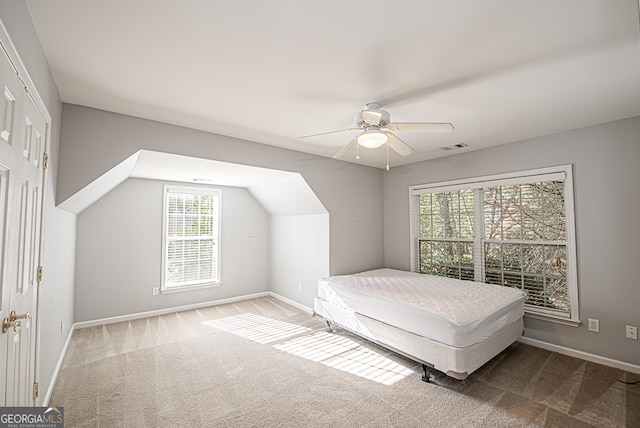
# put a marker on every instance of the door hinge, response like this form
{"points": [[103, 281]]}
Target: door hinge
{"points": [[39, 275], [45, 161], [35, 390]]}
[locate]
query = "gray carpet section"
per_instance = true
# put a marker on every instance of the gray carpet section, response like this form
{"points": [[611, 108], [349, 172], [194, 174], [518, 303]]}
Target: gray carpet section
{"points": [[263, 363]]}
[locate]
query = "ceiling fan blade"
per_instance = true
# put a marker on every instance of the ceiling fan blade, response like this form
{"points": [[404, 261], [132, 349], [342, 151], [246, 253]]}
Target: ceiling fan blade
{"points": [[330, 132], [343, 151], [441, 127], [398, 145]]}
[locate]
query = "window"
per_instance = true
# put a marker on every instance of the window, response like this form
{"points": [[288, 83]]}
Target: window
{"points": [[191, 235], [515, 230]]}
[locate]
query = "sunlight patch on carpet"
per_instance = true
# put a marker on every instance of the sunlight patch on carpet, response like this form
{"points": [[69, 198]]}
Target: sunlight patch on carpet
{"points": [[346, 355], [255, 327]]}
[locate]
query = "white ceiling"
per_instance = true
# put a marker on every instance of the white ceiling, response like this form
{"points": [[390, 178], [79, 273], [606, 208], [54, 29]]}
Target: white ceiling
{"points": [[272, 71]]}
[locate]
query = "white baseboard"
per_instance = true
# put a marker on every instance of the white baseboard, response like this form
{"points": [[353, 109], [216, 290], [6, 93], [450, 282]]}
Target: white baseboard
{"points": [[129, 317], [56, 371], [292, 303], [582, 355]]}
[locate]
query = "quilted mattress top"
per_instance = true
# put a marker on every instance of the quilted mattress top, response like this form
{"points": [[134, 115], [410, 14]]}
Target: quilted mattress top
{"points": [[453, 311]]}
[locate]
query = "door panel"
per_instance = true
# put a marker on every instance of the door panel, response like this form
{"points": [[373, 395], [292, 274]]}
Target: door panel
{"points": [[9, 85], [4, 291], [22, 131]]}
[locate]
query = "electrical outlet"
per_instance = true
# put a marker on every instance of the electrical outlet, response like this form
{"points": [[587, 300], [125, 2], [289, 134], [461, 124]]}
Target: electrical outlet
{"points": [[155, 291], [594, 325], [632, 332], [299, 286]]}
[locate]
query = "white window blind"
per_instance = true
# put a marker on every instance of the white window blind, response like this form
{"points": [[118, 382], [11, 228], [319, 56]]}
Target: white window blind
{"points": [[191, 249], [514, 230]]}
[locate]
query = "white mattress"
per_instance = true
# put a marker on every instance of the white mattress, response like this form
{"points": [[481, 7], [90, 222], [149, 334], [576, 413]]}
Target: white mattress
{"points": [[450, 311]]}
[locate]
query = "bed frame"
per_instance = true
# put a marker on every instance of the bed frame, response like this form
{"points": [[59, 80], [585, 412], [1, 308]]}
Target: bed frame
{"points": [[457, 363]]}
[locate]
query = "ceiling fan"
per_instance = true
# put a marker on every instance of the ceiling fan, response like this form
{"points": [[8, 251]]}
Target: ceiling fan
{"points": [[375, 124]]}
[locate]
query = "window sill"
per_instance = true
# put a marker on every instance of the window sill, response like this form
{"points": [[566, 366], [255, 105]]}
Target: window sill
{"points": [[181, 288], [565, 321]]}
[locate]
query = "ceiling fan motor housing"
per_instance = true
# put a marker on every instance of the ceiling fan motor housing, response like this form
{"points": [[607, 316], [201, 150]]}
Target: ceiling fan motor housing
{"points": [[372, 117]]}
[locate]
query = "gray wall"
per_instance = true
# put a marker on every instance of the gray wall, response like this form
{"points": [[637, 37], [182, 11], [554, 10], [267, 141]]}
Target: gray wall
{"points": [[57, 288], [119, 246], [606, 178], [93, 141], [299, 255]]}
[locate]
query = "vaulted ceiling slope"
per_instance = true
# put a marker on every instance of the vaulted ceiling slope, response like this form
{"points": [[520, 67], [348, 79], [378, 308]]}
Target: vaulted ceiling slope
{"points": [[271, 72], [281, 193]]}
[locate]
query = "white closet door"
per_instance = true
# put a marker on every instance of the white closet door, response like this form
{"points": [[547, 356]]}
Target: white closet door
{"points": [[22, 142]]}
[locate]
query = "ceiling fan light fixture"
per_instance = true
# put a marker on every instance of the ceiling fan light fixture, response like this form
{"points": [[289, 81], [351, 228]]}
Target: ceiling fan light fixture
{"points": [[372, 139]]}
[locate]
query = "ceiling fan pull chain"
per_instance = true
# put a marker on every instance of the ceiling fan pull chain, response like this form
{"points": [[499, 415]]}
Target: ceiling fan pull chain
{"points": [[387, 145]]}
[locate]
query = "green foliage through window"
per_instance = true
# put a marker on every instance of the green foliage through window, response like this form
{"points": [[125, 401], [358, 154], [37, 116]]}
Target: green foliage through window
{"points": [[513, 235]]}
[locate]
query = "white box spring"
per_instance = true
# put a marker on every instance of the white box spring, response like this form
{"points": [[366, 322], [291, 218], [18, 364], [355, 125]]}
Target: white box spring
{"points": [[450, 311]]}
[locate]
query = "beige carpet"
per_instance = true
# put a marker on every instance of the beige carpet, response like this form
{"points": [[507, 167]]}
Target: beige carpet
{"points": [[263, 363]]}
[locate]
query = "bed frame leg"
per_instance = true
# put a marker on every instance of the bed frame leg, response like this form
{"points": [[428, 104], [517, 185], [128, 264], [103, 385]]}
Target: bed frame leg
{"points": [[329, 329], [426, 377]]}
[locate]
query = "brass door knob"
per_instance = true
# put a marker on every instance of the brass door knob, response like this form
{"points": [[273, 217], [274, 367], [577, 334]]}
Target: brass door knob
{"points": [[14, 321], [13, 316], [7, 324]]}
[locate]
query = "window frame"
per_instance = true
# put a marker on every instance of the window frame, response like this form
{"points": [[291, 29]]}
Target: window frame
{"points": [[563, 172], [215, 281]]}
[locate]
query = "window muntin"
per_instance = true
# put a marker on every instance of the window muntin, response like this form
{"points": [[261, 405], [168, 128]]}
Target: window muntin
{"points": [[191, 238], [524, 243], [445, 244], [513, 230]]}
